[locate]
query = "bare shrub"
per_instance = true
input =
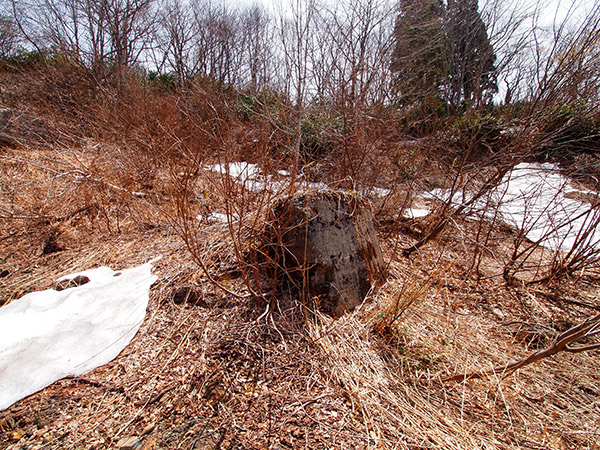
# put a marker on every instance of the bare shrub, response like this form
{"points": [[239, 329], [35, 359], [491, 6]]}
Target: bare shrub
{"points": [[400, 296], [563, 342]]}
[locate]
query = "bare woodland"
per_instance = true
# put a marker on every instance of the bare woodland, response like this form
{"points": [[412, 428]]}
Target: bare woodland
{"points": [[136, 128]]}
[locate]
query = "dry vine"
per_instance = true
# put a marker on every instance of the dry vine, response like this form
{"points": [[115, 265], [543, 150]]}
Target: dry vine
{"points": [[563, 342]]}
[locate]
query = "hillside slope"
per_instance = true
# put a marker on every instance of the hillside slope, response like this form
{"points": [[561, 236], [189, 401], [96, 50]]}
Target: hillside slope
{"points": [[208, 370]]}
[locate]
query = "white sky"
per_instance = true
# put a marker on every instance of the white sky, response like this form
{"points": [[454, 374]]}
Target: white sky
{"points": [[551, 10]]}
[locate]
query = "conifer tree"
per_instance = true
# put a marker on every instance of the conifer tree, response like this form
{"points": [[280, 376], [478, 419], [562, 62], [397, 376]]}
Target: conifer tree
{"points": [[419, 57], [471, 80], [443, 51]]}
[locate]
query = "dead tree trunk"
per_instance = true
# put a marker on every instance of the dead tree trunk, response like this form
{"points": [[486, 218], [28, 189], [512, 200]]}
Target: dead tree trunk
{"points": [[324, 245]]}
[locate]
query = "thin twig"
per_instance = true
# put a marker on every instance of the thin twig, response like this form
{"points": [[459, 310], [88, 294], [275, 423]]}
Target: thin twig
{"points": [[563, 342]]}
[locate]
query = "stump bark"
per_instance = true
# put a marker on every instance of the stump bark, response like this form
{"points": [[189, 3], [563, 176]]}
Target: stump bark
{"points": [[326, 246]]}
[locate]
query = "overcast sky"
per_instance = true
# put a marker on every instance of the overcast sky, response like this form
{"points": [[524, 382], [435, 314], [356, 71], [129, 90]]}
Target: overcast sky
{"points": [[551, 10]]}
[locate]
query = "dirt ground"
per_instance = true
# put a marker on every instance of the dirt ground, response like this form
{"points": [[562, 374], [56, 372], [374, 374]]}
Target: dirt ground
{"points": [[216, 372]]}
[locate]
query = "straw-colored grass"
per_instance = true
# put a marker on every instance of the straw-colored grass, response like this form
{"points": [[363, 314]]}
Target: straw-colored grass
{"points": [[220, 373]]}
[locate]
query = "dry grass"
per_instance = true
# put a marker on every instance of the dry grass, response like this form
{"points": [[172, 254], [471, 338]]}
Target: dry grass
{"points": [[216, 372], [394, 382]]}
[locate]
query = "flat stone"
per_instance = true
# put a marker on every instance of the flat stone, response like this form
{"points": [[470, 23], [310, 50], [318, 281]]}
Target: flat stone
{"points": [[128, 443]]}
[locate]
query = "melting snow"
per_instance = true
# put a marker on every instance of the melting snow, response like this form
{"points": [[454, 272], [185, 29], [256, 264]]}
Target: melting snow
{"points": [[251, 177], [381, 192], [536, 199], [217, 217], [375, 191], [316, 186], [248, 175], [47, 335], [415, 213], [241, 170]]}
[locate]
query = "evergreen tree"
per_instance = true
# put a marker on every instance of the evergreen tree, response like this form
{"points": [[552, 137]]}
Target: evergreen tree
{"points": [[471, 78], [443, 52], [419, 57]]}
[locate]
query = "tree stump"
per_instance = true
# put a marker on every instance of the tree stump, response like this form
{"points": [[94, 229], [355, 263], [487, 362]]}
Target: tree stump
{"points": [[325, 245]]}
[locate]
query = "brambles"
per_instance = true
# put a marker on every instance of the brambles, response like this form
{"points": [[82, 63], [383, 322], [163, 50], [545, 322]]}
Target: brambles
{"points": [[246, 108]]}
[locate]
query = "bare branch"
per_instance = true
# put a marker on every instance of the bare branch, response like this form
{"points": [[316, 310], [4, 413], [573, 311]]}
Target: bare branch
{"points": [[563, 342]]}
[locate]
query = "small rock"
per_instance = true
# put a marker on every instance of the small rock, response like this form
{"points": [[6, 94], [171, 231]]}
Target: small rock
{"points": [[148, 428], [128, 443], [74, 282], [4, 273]]}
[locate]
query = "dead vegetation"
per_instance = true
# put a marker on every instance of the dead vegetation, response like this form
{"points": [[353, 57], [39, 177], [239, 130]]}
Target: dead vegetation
{"points": [[218, 364]]}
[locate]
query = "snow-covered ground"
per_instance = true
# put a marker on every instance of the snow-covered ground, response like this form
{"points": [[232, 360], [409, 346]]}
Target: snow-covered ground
{"points": [[47, 335], [536, 198], [252, 178], [539, 200], [544, 203]]}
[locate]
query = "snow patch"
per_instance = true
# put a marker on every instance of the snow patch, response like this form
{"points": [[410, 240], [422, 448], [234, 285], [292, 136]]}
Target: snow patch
{"points": [[316, 186], [251, 177], [248, 175], [375, 191], [217, 217], [415, 213], [536, 201], [381, 192], [535, 198], [242, 170], [47, 335]]}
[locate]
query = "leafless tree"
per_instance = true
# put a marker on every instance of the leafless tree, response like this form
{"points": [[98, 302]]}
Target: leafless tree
{"points": [[360, 37], [99, 34], [217, 52], [257, 35], [179, 41], [296, 32], [8, 36]]}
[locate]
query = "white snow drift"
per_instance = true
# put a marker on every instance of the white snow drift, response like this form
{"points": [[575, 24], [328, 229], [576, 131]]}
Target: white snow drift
{"points": [[539, 200], [47, 335], [543, 203]]}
